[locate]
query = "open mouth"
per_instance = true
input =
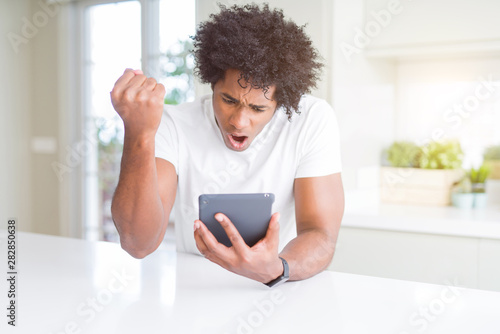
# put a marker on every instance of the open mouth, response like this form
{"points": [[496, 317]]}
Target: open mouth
{"points": [[237, 142]]}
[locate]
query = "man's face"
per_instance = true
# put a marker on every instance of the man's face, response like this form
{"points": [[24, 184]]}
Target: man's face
{"points": [[241, 113]]}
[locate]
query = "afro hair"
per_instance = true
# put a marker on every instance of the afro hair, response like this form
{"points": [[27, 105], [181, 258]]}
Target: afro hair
{"points": [[263, 46]]}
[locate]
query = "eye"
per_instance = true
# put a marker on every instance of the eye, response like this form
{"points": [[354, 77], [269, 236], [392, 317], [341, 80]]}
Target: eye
{"points": [[227, 101], [257, 109]]}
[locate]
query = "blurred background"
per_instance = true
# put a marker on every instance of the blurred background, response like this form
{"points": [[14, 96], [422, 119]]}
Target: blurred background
{"points": [[415, 85]]}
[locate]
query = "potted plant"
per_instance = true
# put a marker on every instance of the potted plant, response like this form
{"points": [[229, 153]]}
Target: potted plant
{"points": [[404, 154], [421, 174], [441, 155], [478, 179], [492, 160], [462, 196]]}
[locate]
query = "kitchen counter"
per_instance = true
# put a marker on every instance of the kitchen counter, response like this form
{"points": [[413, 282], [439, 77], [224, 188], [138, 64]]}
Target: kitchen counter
{"points": [[364, 210], [74, 286]]}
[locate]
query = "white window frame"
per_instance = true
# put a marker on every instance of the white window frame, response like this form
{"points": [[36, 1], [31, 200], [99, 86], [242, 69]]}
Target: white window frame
{"points": [[72, 99]]}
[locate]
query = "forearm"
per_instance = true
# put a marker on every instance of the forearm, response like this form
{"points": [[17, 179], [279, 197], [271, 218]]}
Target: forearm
{"points": [[309, 253], [137, 208]]}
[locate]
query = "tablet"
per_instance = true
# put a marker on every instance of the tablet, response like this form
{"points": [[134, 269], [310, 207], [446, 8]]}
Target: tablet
{"points": [[250, 214]]}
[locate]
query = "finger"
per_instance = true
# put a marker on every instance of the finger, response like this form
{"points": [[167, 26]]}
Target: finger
{"points": [[210, 247], [272, 237], [160, 89], [232, 233], [202, 247], [137, 81], [125, 78], [138, 72], [200, 244], [209, 239], [204, 250], [149, 83]]}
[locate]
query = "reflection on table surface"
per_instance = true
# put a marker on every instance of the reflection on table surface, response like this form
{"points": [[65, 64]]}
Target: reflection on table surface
{"points": [[75, 286]]}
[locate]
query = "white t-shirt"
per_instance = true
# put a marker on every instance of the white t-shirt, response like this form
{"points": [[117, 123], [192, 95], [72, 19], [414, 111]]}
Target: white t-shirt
{"points": [[189, 138]]}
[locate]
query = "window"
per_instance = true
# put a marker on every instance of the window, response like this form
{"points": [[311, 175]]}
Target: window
{"points": [[148, 34]]}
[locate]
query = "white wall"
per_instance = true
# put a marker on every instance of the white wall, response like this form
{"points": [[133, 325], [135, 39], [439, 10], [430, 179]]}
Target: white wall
{"points": [[393, 62], [436, 22], [45, 120], [450, 99], [15, 120], [363, 94], [29, 110]]}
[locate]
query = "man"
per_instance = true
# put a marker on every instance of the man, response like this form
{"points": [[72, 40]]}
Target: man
{"points": [[257, 132]]}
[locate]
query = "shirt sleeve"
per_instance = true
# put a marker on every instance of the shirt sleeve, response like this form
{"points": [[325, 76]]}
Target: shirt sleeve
{"points": [[167, 140], [319, 145]]}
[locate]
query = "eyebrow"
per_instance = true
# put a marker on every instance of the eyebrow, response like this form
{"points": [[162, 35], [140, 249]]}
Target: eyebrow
{"points": [[229, 97]]}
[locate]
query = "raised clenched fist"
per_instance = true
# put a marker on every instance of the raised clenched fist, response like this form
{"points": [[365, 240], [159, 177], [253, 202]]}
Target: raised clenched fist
{"points": [[139, 102]]}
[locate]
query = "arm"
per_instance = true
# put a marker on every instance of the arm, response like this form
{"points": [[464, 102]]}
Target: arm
{"points": [[319, 207], [146, 188]]}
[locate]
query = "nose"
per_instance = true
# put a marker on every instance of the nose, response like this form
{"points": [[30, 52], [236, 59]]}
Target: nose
{"points": [[240, 119]]}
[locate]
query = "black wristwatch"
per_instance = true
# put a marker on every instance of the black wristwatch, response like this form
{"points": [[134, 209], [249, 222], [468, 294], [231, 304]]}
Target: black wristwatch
{"points": [[281, 279]]}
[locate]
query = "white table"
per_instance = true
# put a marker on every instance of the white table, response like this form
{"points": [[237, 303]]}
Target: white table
{"points": [[74, 286]]}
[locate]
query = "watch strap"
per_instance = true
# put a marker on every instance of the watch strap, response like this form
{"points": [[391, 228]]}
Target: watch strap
{"points": [[283, 277]]}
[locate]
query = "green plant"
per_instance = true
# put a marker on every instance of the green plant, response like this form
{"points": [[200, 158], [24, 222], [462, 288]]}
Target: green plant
{"points": [[478, 178], [479, 175], [177, 67], [403, 154], [492, 153], [441, 155]]}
